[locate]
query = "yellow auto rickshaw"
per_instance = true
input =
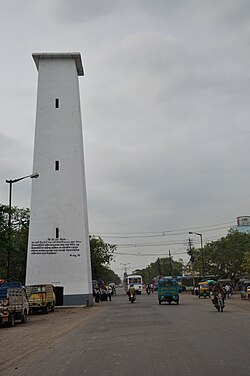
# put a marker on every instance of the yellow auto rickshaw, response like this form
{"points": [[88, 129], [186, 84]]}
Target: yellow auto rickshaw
{"points": [[245, 289], [204, 289]]}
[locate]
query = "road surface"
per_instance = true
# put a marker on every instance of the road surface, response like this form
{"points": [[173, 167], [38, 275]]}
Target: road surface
{"points": [[145, 339]]}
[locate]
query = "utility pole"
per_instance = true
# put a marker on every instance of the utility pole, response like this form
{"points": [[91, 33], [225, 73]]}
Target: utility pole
{"points": [[125, 267], [159, 266], [170, 263]]}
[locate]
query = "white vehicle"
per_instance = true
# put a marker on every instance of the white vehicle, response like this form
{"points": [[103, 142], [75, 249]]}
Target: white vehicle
{"points": [[136, 280]]}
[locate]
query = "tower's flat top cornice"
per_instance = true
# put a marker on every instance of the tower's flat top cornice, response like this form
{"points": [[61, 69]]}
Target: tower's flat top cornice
{"points": [[60, 55]]}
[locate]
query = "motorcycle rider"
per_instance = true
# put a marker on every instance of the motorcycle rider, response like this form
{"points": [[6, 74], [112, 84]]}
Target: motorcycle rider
{"points": [[216, 290], [148, 289], [131, 290]]}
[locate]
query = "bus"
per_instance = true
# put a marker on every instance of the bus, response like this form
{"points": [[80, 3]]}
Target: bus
{"points": [[189, 282], [136, 280]]}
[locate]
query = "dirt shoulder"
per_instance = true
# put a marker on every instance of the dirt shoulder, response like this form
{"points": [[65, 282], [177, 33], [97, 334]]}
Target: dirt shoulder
{"points": [[40, 330], [243, 304]]}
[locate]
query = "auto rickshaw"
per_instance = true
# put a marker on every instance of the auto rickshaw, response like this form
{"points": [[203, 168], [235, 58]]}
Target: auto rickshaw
{"points": [[168, 290], [248, 292], [204, 289], [245, 289]]}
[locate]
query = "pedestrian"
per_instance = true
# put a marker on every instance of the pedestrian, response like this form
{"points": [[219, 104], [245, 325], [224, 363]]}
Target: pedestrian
{"points": [[228, 291], [196, 290], [102, 294], [109, 291], [152, 287], [97, 295]]}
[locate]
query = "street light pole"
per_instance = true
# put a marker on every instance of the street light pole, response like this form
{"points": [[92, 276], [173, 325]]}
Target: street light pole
{"points": [[202, 254], [191, 260], [10, 182]]}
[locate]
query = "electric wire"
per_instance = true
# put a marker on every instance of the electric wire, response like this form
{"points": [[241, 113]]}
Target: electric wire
{"points": [[164, 232]]}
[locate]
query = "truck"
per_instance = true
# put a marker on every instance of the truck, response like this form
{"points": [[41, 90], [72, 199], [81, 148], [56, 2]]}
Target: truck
{"points": [[14, 304], [41, 298]]}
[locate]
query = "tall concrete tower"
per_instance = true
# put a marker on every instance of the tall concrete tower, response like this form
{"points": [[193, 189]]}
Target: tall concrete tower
{"points": [[58, 248]]}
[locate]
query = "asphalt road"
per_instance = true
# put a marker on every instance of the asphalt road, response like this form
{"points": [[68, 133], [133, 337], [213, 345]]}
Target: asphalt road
{"points": [[146, 339]]}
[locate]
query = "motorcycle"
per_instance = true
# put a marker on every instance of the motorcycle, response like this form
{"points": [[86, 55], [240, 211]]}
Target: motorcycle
{"points": [[131, 297], [148, 290], [218, 301]]}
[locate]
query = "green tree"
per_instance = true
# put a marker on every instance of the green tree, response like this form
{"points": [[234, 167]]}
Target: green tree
{"points": [[101, 252], [246, 263], [162, 266], [224, 257], [3, 240], [16, 243], [107, 275], [101, 255], [20, 226]]}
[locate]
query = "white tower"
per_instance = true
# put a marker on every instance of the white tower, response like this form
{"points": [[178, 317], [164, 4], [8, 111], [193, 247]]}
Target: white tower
{"points": [[58, 248]]}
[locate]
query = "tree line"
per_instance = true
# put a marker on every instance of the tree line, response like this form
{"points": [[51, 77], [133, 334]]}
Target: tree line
{"points": [[161, 267], [15, 239], [226, 258]]}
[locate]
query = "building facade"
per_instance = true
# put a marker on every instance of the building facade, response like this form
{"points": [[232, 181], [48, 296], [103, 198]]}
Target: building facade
{"points": [[243, 224]]}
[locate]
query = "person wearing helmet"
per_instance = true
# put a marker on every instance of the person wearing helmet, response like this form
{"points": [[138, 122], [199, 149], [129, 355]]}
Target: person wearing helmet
{"points": [[131, 292], [131, 289]]}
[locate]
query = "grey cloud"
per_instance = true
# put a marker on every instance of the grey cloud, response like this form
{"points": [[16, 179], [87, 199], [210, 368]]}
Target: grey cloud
{"points": [[164, 102], [77, 11]]}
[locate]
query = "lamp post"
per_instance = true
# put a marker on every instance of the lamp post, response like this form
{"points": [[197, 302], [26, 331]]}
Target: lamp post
{"points": [[202, 255], [10, 182]]}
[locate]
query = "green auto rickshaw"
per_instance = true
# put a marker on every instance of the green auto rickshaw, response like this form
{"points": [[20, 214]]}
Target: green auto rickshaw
{"points": [[168, 290]]}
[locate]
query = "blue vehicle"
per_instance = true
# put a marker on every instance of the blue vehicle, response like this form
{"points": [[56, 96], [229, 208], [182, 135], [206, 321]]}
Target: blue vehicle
{"points": [[179, 281], [168, 290]]}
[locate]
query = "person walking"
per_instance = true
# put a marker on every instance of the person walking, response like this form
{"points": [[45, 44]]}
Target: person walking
{"points": [[97, 294], [228, 290], [109, 291]]}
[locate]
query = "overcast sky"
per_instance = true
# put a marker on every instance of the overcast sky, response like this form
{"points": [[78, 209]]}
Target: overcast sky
{"points": [[165, 108]]}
